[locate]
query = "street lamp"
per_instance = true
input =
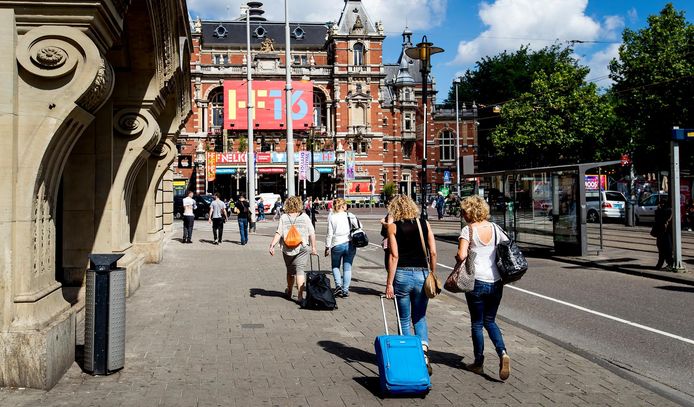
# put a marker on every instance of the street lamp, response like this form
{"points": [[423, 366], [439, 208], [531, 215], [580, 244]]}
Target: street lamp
{"points": [[339, 163], [456, 82], [423, 51], [250, 159]]}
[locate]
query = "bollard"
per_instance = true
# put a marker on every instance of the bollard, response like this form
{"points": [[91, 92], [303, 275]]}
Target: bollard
{"points": [[629, 214], [104, 331]]}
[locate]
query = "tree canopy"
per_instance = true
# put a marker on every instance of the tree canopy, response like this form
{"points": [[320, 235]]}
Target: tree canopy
{"points": [[654, 86]]}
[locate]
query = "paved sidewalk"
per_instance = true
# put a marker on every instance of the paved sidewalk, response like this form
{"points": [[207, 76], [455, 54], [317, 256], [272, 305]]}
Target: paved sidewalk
{"points": [[209, 327]]}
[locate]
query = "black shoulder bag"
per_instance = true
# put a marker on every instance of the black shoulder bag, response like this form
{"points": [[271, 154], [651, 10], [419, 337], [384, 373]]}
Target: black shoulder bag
{"points": [[510, 261]]}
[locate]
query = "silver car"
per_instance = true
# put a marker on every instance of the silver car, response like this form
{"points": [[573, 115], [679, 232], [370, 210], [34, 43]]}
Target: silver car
{"points": [[613, 205], [645, 210]]}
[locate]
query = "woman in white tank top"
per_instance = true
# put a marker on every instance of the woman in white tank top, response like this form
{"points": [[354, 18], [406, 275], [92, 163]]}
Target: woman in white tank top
{"points": [[483, 301]]}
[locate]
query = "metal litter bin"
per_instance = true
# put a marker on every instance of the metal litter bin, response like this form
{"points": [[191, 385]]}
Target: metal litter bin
{"points": [[104, 331]]}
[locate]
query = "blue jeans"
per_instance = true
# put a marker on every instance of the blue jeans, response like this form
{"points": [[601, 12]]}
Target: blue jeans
{"points": [[483, 302], [343, 253], [243, 228], [412, 301]]}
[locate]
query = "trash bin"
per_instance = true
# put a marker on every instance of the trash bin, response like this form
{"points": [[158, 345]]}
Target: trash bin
{"points": [[104, 331], [629, 214]]}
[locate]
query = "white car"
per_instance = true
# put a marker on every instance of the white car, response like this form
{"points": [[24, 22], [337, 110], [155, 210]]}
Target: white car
{"points": [[614, 204], [269, 200], [645, 210]]}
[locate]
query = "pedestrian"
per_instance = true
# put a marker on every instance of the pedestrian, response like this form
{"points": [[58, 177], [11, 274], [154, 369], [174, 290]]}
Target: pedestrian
{"points": [[689, 214], [440, 204], [242, 210], [408, 268], [662, 231], [218, 215], [276, 210], [189, 207], [296, 257], [339, 247], [261, 209], [483, 301]]}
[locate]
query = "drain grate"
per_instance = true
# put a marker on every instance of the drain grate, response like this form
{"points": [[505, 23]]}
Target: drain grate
{"points": [[252, 326]]}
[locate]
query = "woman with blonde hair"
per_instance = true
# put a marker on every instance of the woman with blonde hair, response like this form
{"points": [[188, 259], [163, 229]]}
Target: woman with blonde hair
{"points": [[296, 257], [339, 246], [482, 236], [408, 267]]}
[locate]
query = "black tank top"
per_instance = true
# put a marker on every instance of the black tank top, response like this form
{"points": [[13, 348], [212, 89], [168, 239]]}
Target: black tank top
{"points": [[410, 252]]}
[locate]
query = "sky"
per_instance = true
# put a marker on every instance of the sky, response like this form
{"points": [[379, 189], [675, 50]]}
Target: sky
{"points": [[469, 30]]}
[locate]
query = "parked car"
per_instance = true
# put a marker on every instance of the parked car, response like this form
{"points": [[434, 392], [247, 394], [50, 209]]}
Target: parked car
{"points": [[613, 205], [644, 211], [202, 211]]}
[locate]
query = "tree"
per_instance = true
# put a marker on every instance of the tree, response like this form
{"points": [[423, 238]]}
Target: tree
{"points": [[562, 119], [654, 86]]}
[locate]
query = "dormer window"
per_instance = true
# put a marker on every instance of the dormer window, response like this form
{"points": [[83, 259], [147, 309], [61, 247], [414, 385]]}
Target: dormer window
{"points": [[260, 32], [358, 54], [220, 31], [298, 33]]}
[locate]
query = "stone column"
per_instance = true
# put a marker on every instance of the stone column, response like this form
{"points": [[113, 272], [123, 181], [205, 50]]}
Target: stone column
{"points": [[53, 78]]}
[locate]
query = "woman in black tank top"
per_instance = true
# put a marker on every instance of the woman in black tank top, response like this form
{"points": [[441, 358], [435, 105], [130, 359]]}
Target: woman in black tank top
{"points": [[408, 267]]}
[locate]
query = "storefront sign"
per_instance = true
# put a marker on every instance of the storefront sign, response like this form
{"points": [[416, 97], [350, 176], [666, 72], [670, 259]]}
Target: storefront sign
{"points": [[231, 158], [269, 102], [221, 171], [325, 170], [318, 157], [263, 158], [272, 170]]}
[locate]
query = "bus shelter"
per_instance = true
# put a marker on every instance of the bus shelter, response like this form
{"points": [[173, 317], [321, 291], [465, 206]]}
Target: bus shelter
{"points": [[543, 206]]}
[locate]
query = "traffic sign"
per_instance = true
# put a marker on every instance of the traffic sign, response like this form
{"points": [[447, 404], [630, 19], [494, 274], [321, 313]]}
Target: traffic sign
{"points": [[314, 175], [682, 134], [446, 177]]}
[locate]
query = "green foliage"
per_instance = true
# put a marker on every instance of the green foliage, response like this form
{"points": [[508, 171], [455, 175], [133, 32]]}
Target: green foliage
{"points": [[243, 144], [389, 190], [654, 86]]}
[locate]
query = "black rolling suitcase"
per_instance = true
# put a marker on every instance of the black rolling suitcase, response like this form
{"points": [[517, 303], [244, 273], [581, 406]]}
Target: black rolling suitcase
{"points": [[319, 294]]}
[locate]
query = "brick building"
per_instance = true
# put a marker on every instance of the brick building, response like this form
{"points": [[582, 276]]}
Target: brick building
{"points": [[370, 109]]}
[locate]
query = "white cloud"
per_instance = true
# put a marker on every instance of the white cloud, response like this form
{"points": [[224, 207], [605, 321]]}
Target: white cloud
{"points": [[633, 15], [512, 23], [599, 65], [612, 27], [418, 14]]}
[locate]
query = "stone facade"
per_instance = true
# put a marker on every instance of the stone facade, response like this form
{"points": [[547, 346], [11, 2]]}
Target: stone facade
{"points": [[371, 108], [94, 96]]}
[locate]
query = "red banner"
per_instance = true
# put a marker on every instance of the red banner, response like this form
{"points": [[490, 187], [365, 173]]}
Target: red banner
{"points": [[263, 158], [269, 111], [271, 170]]}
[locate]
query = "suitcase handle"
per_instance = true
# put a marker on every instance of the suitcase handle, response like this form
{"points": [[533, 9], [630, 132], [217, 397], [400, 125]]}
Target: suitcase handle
{"points": [[397, 314], [310, 257]]}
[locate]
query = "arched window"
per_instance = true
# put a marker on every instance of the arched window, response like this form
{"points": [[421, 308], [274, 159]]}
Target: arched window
{"points": [[217, 108], [446, 145], [318, 112], [358, 54]]}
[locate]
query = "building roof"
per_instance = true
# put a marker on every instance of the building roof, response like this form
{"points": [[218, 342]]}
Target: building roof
{"points": [[355, 20], [232, 34]]}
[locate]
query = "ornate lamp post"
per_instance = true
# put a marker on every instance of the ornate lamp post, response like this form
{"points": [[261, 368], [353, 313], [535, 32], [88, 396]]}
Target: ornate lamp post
{"points": [[423, 51], [200, 164], [339, 163]]}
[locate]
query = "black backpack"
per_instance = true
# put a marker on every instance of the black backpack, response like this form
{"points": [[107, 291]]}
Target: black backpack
{"points": [[319, 295]]}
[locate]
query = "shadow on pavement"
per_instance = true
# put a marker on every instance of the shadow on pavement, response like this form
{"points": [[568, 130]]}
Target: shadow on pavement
{"points": [[676, 288], [354, 355], [364, 291], [266, 293], [206, 241]]}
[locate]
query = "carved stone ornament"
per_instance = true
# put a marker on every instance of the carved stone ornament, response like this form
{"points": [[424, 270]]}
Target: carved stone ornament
{"points": [[51, 57], [100, 90], [130, 122], [358, 25], [267, 45]]}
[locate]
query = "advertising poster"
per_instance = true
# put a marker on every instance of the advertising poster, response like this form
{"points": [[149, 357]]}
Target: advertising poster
{"points": [[349, 165], [360, 186], [211, 166], [304, 162], [592, 182]]}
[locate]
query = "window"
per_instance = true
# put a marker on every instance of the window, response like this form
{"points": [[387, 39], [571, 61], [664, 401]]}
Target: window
{"points": [[300, 60], [385, 121], [408, 125], [407, 97], [446, 145], [385, 146], [217, 108], [358, 54], [359, 88], [407, 149], [360, 147]]}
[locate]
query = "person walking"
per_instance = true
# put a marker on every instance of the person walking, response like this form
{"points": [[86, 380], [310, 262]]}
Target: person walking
{"points": [[277, 210], [483, 301], [339, 247], [261, 209], [296, 257], [662, 231], [218, 215], [189, 207], [440, 205], [408, 267], [242, 210]]}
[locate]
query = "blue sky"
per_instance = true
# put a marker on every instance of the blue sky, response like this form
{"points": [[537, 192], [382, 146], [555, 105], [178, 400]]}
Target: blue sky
{"points": [[469, 30]]}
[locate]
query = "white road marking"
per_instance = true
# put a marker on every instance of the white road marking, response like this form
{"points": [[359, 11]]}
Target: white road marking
{"points": [[590, 311]]}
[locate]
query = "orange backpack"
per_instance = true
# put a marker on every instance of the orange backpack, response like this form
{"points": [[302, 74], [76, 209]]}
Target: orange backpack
{"points": [[293, 238]]}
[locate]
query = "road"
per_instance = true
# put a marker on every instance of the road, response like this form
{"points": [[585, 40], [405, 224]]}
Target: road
{"points": [[640, 326]]}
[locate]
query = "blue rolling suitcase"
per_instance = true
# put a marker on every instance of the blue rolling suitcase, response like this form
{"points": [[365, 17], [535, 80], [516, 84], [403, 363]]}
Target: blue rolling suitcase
{"points": [[400, 359]]}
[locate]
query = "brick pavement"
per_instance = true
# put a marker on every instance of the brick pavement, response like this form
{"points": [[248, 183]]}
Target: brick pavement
{"points": [[209, 327]]}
